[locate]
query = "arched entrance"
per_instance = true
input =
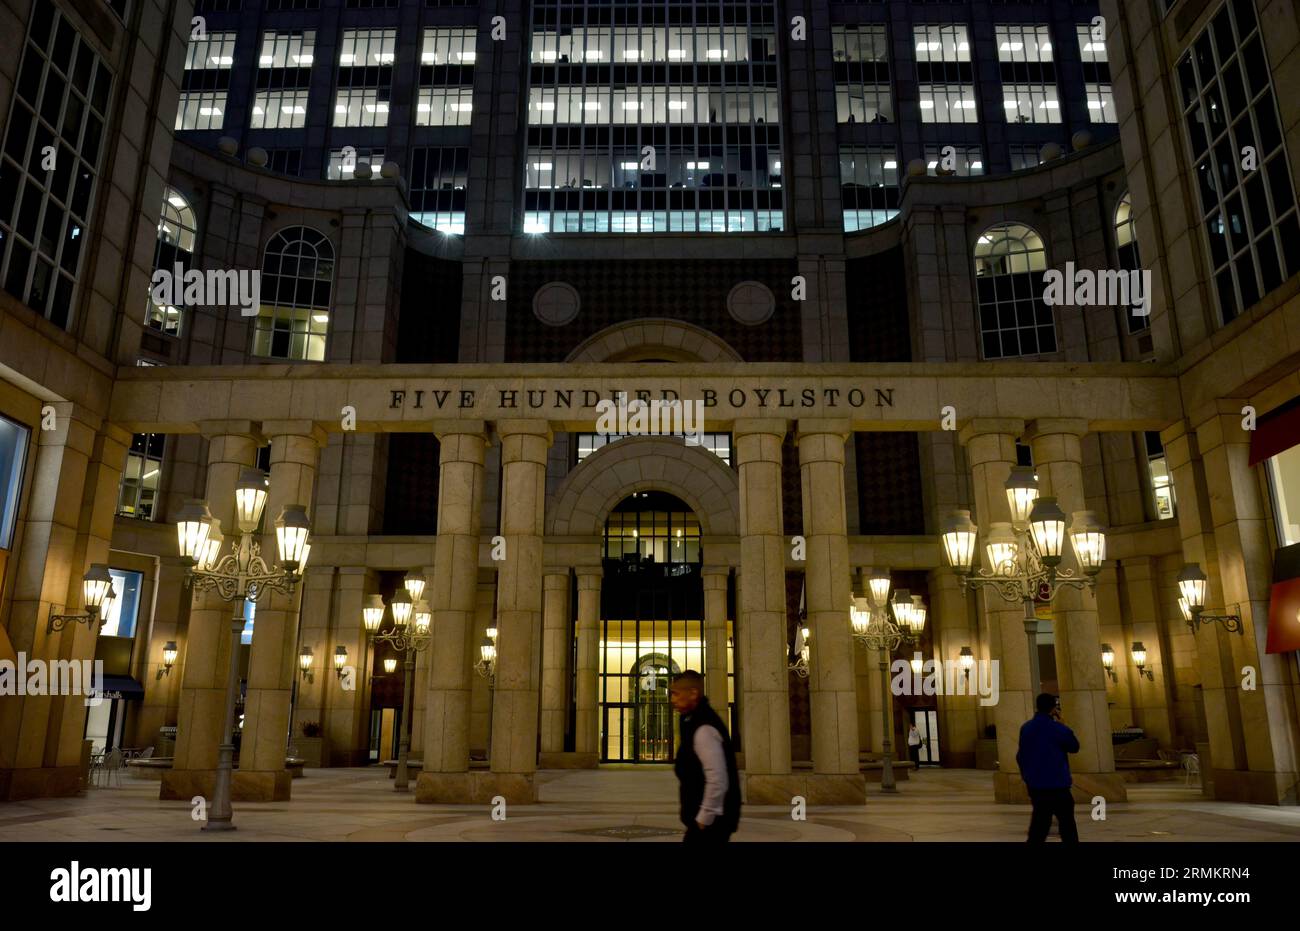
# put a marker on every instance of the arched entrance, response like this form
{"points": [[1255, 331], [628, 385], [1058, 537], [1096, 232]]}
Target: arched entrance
{"points": [[652, 623]]}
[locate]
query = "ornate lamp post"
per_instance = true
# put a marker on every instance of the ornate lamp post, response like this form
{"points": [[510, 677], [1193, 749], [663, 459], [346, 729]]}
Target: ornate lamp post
{"points": [[1192, 583], [1024, 556], [408, 639], [872, 627], [239, 576], [487, 668]]}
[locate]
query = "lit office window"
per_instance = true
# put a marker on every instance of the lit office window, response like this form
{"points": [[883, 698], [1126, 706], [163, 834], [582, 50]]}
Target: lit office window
{"points": [[13, 459], [444, 106], [1092, 51], [1025, 60], [1101, 103], [1096, 76], [438, 178], [282, 109], [137, 494], [286, 51], [1249, 217], [1162, 484], [342, 165], [365, 77], [868, 185], [283, 79], [446, 93], [862, 87], [944, 75], [297, 276], [703, 96], [1126, 248], [205, 82], [1010, 260], [60, 99], [967, 161], [175, 246]]}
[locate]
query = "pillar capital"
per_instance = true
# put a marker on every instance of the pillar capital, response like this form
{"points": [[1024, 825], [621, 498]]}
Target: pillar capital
{"points": [[764, 426], [448, 428], [555, 577], [983, 426], [1053, 426], [714, 577], [304, 428], [589, 577], [241, 428], [814, 426], [507, 428]]}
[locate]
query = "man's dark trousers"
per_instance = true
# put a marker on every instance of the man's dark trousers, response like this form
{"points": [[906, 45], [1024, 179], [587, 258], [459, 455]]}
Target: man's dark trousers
{"points": [[1049, 803], [709, 835]]}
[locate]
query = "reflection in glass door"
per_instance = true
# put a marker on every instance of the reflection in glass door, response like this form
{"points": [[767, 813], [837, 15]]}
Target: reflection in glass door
{"points": [[637, 662], [927, 722]]}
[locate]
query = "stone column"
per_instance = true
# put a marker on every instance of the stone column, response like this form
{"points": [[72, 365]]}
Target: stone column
{"points": [[423, 673], [519, 611], [829, 594], [765, 702], [587, 697], [715, 637], [480, 717], [958, 713], [272, 661], [1244, 549], [1058, 459], [555, 658], [1152, 699], [232, 447], [991, 452], [332, 601], [452, 593]]}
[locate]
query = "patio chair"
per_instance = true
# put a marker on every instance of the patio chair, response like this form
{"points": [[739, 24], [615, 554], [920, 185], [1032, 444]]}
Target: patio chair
{"points": [[1192, 764], [146, 754], [112, 767]]}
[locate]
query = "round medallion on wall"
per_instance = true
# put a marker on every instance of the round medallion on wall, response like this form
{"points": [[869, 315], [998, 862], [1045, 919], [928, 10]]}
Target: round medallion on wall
{"points": [[556, 303], [751, 303]]}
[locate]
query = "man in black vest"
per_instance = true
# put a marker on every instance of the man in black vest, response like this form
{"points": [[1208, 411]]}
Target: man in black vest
{"points": [[706, 765]]}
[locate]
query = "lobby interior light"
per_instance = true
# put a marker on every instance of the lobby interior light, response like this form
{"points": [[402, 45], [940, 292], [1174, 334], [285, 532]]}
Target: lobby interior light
{"points": [[414, 583], [491, 631], [966, 659], [1140, 660], [340, 659], [1022, 492], [292, 528], [1047, 524], [487, 650], [1108, 661], [402, 606], [917, 665], [250, 498], [390, 665], [193, 524], [372, 613], [959, 541]]}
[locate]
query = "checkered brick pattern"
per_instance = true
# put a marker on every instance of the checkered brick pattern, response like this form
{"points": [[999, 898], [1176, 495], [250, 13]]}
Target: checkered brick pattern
{"points": [[889, 483], [430, 329], [877, 305], [411, 498]]}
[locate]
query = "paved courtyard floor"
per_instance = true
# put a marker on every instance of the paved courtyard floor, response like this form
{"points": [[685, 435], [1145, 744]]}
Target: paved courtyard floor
{"points": [[619, 805]]}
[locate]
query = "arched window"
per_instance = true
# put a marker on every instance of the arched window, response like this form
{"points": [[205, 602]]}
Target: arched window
{"points": [[1126, 248], [175, 246], [1009, 263], [294, 317]]}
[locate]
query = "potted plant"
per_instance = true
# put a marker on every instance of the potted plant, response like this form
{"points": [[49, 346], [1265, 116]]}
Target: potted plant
{"points": [[312, 746]]}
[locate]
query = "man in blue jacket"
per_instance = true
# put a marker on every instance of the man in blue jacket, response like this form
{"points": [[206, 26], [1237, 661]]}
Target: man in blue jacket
{"points": [[1045, 742]]}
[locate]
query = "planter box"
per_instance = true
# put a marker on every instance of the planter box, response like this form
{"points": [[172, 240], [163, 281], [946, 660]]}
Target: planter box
{"points": [[313, 751]]}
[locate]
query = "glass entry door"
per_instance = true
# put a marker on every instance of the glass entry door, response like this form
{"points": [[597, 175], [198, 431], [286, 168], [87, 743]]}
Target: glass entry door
{"points": [[637, 662]]}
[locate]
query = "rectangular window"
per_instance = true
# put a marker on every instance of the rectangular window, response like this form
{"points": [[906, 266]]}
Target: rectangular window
{"points": [[1026, 63], [1249, 217], [60, 105], [13, 458], [1024, 156], [205, 82], [947, 103], [138, 493], [862, 86], [444, 106], [365, 77], [216, 51], [200, 110], [964, 160], [284, 161], [342, 165], [438, 178], [1031, 103], [868, 185], [122, 612], [1101, 103], [1162, 485], [280, 109], [587, 443], [1284, 484]]}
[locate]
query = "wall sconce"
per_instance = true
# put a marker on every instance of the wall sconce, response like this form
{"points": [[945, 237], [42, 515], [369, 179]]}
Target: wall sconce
{"points": [[1108, 661], [305, 659], [169, 659], [97, 594], [1192, 583], [1140, 660], [966, 660], [390, 665], [340, 659]]}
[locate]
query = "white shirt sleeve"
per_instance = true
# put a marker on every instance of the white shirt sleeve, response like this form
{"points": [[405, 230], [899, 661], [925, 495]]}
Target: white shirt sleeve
{"points": [[708, 747]]}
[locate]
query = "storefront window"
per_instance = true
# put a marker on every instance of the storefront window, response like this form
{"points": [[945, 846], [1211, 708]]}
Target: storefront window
{"points": [[13, 452], [119, 619], [1284, 482]]}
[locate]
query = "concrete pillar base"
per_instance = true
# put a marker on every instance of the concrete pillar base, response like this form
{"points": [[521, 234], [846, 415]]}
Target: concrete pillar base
{"points": [[815, 788], [1009, 788], [1239, 785], [261, 786], [46, 782], [184, 784], [568, 760], [475, 788]]}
